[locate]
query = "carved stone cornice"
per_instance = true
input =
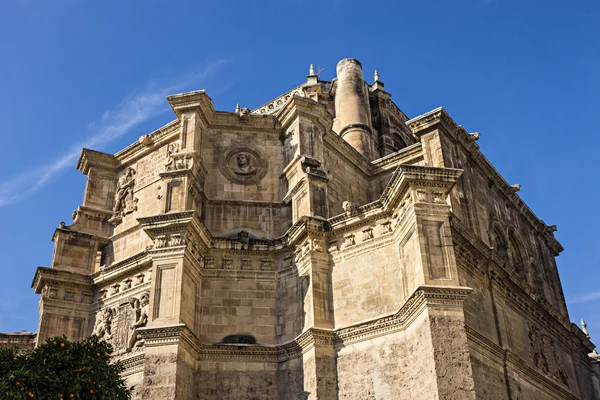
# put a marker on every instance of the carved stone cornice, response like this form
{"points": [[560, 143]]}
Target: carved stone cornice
{"points": [[185, 221], [169, 335], [440, 179], [196, 100], [424, 296], [407, 155], [231, 121], [133, 364], [96, 159], [298, 106], [492, 351], [64, 232], [304, 226], [135, 260], [52, 276], [485, 346], [157, 138]]}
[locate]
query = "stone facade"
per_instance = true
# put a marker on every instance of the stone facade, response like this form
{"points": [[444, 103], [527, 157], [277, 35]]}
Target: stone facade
{"points": [[322, 246], [22, 340]]}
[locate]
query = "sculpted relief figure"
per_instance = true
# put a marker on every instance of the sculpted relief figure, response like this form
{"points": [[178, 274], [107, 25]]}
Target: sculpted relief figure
{"points": [[244, 166], [104, 324], [125, 203], [172, 149], [140, 308]]}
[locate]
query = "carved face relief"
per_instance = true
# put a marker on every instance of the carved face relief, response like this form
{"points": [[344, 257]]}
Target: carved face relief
{"points": [[243, 165]]}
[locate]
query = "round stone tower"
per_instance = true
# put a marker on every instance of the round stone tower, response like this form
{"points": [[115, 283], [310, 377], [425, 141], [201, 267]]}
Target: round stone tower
{"points": [[352, 108]]}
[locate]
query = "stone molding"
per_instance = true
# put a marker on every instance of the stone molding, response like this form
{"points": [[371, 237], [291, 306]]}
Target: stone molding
{"points": [[53, 276], [97, 159], [394, 159], [134, 364], [276, 104], [158, 138]]}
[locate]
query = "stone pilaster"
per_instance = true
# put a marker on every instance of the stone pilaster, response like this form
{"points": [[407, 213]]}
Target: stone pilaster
{"points": [[435, 314], [170, 363], [306, 122], [426, 248], [180, 240], [319, 366], [318, 355]]}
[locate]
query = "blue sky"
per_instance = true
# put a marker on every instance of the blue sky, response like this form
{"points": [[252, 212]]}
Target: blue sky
{"points": [[95, 74]]}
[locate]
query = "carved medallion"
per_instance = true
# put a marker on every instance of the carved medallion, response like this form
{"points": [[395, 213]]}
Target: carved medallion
{"points": [[243, 165]]}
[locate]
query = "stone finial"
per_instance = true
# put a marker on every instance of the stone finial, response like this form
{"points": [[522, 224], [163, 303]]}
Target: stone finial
{"points": [[311, 70], [552, 229], [584, 328], [515, 188], [237, 108], [376, 77], [473, 136]]}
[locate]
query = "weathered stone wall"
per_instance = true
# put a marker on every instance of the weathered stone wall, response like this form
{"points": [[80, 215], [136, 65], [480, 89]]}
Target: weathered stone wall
{"points": [[396, 366], [345, 182], [290, 380], [233, 380], [233, 307], [289, 307], [489, 313], [365, 275], [262, 220], [488, 375]]}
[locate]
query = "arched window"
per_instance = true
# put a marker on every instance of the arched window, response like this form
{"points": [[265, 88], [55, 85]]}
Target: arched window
{"points": [[499, 240], [514, 254], [399, 143]]}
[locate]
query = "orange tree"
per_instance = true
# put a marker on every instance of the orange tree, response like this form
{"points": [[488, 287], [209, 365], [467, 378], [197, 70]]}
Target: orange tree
{"points": [[60, 369]]}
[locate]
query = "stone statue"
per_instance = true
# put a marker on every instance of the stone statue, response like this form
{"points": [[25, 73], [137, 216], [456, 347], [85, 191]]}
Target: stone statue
{"points": [[350, 208], [140, 308], [584, 328], [125, 203], [172, 149], [104, 324]]}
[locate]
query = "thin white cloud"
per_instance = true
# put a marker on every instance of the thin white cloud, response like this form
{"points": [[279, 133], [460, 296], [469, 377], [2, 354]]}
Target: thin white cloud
{"points": [[585, 298], [114, 123]]}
